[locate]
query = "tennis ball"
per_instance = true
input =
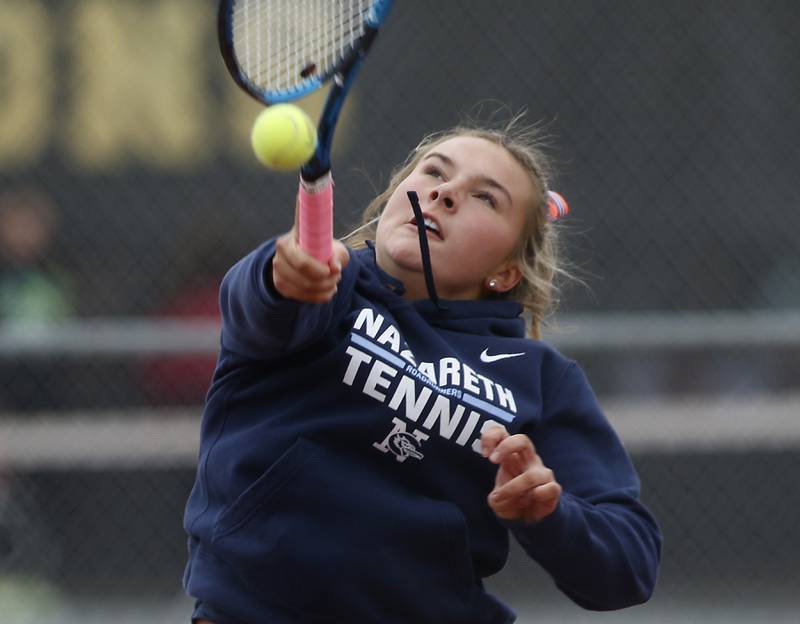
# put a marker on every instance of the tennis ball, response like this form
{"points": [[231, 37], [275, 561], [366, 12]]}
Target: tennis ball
{"points": [[283, 137]]}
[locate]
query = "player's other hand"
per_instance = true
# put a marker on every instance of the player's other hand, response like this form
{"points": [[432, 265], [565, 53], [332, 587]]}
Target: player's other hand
{"points": [[524, 488], [298, 275]]}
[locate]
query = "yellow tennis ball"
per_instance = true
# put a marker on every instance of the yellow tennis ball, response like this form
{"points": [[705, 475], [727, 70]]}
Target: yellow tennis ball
{"points": [[283, 137]]}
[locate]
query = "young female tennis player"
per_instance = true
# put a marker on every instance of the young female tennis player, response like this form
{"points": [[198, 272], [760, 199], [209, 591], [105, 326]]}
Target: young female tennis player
{"points": [[378, 426]]}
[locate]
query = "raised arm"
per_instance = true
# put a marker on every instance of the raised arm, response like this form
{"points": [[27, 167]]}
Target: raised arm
{"points": [[278, 298]]}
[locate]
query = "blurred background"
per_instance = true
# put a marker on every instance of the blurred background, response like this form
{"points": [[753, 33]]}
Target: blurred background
{"points": [[127, 187]]}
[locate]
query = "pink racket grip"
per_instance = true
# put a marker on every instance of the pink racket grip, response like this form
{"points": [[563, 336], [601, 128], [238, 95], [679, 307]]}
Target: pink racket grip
{"points": [[316, 218]]}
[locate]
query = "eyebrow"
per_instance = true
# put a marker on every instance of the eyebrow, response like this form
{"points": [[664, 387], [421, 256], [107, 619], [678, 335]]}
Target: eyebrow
{"points": [[486, 180]]}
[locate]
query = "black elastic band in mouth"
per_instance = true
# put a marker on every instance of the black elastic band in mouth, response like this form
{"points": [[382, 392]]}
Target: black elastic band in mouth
{"points": [[422, 232]]}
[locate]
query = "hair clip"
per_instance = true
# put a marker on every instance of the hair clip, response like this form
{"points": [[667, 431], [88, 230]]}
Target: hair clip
{"points": [[557, 206]]}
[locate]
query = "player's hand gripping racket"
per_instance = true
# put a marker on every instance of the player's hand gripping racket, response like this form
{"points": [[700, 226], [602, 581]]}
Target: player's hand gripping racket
{"points": [[282, 50]]}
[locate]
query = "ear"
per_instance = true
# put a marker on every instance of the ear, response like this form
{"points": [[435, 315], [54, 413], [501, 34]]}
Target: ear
{"points": [[504, 279]]}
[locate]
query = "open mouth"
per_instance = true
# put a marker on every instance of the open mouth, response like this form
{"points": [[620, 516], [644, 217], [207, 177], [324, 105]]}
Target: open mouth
{"points": [[430, 226]]}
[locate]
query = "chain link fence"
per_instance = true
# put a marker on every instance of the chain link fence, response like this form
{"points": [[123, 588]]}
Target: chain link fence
{"points": [[127, 188]]}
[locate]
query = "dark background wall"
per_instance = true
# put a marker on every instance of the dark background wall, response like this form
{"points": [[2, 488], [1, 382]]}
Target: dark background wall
{"points": [[674, 131]]}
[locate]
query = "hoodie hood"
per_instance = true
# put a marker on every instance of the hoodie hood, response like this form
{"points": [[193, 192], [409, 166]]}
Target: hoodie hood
{"points": [[480, 317]]}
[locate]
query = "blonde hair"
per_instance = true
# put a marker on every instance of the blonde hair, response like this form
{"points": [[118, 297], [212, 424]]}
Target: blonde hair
{"points": [[537, 251]]}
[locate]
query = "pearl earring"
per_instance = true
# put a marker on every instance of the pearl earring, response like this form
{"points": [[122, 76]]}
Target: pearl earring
{"points": [[492, 284]]}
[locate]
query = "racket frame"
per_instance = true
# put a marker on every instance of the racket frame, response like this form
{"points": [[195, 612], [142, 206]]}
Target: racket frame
{"points": [[315, 225]]}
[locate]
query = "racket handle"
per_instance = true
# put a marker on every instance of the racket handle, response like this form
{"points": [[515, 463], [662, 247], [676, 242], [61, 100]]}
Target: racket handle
{"points": [[316, 217]]}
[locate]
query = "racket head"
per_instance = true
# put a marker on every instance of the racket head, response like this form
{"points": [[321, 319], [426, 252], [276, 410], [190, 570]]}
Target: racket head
{"points": [[282, 50]]}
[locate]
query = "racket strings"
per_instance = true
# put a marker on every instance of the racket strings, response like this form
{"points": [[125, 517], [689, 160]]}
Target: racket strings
{"points": [[279, 44]]}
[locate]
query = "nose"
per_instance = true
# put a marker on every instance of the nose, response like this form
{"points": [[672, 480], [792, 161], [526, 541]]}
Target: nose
{"points": [[444, 196]]}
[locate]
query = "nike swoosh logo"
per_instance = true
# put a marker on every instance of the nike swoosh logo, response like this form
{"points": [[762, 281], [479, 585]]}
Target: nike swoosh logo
{"points": [[485, 357]]}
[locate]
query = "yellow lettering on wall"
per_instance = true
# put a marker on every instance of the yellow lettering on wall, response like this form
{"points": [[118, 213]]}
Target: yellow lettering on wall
{"points": [[26, 82], [138, 87]]}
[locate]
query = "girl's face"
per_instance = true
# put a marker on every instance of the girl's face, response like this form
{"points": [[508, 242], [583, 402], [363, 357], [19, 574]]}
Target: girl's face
{"points": [[477, 197]]}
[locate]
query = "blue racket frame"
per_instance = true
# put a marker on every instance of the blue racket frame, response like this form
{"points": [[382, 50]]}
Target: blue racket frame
{"points": [[343, 74]]}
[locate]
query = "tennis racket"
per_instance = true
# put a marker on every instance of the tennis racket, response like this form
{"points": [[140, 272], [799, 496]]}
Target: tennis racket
{"points": [[282, 50]]}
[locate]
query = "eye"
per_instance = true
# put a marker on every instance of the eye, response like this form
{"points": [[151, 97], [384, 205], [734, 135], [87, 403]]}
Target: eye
{"points": [[487, 198], [433, 170]]}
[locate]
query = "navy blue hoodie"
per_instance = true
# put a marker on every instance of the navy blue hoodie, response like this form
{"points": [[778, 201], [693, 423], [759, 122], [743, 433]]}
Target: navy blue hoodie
{"points": [[340, 477]]}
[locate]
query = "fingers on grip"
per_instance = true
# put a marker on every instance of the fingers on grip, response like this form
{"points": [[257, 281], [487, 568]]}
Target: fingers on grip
{"points": [[298, 275]]}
